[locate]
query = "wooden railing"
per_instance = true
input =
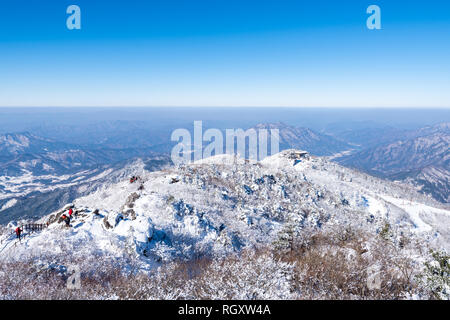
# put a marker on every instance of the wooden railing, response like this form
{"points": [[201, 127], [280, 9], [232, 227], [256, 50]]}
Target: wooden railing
{"points": [[34, 227]]}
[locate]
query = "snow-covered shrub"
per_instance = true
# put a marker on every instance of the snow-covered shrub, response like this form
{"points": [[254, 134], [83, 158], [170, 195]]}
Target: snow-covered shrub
{"points": [[333, 266], [251, 275], [435, 278]]}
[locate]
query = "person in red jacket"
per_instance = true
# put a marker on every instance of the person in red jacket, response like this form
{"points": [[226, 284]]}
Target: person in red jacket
{"points": [[70, 212], [18, 233], [66, 219]]}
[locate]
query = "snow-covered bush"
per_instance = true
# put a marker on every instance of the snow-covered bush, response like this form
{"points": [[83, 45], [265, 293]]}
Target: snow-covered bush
{"points": [[250, 275], [435, 278], [323, 268]]}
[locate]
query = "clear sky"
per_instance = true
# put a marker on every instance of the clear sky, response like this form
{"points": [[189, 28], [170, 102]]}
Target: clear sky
{"points": [[225, 53]]}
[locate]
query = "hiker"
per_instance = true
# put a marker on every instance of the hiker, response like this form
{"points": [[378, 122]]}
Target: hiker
{"points": [[70, 213], [96, 212], [18, 232], [66, 219]]}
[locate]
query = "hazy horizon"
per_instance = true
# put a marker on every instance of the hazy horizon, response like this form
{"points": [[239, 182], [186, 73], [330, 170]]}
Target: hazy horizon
{"points": [[19, 119]]}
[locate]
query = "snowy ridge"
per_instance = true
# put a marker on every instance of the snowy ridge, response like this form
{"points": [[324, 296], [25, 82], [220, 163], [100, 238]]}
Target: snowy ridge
{"points": [[223, 204]]}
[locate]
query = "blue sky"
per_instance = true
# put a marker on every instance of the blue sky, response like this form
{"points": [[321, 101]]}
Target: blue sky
{"points": [[225, 53]]}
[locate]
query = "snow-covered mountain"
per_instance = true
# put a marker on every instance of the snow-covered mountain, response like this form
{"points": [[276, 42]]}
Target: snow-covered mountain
{"points": [[224, 204], [24, 153], [32, 195], [422, 159], [15, 144]]}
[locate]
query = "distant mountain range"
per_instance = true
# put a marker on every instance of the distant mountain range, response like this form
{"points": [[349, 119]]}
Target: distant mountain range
{"points": [[306, 139], [420, 157], [14, 144], [28, 153], [366, 134]]}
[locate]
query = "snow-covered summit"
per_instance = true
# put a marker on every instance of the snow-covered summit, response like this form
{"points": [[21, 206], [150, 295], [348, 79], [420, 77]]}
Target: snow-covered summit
{"points": [[224, 204]]}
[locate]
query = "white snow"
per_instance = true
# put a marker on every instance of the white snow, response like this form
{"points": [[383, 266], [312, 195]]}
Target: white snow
{"points": [[9, 204], [223, 204], [417, 212]]}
